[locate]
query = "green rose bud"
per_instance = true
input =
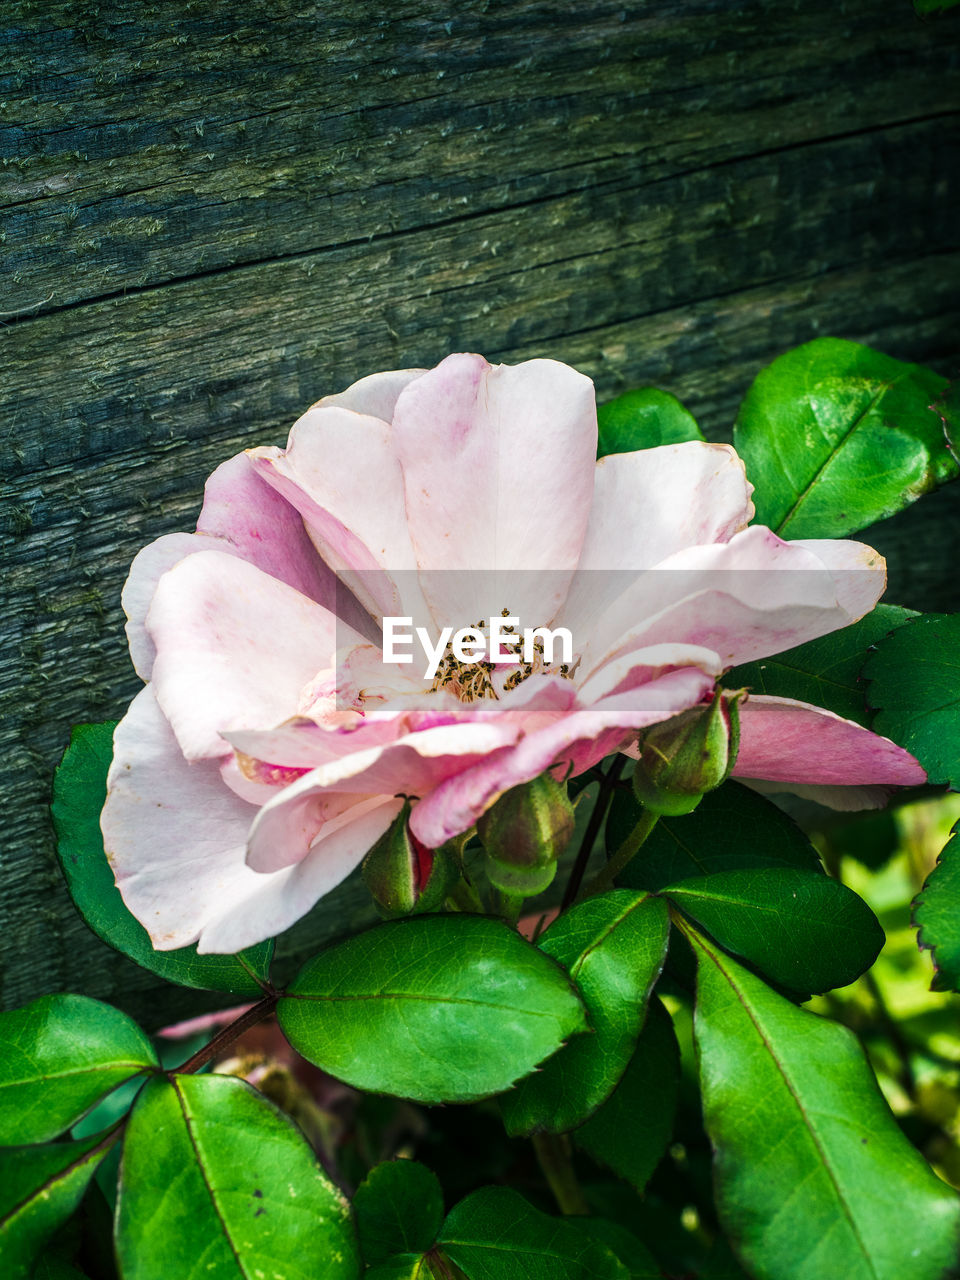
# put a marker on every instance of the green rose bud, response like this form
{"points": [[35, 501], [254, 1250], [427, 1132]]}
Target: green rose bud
{"points": [[404, 876], [523, 835], [686, 756]]}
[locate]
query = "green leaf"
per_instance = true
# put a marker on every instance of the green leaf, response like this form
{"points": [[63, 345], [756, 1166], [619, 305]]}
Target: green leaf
{"points": [[643, 419], [613, 947], [399, 1210], [79, 792], [435, 1008], [915, 686], [635, 1256], [217, 1184], [58, 1056], [936, 914], [805, 932], [494, 1234], [836, 436], [40, 1187], [732, 828], [631, 1130], [824, 672], [934, 6], [813, 1177]]}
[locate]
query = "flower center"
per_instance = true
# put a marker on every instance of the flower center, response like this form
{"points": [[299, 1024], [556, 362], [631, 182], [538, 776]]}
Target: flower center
{"points": [[473, 681]]}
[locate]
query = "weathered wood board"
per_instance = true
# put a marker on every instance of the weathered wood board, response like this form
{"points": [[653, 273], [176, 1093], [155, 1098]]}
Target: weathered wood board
{"points": [[211, 214]]}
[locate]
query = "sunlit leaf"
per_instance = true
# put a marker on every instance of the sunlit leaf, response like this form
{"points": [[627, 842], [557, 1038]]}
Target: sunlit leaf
{"points": [[643, 419], [58, 1056], [813, 1176], [804, 931], [434, 1008], [216, 1183], [613, 946], [836, 436], [936, 913]]}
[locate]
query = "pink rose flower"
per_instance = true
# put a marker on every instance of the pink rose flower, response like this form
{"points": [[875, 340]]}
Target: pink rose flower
{"points": [[271, 743]]}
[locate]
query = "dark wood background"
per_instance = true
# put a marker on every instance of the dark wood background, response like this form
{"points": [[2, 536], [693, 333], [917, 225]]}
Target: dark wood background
{"points": [[209, 220]]}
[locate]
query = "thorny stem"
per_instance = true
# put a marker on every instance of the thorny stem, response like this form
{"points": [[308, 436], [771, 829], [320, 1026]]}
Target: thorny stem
{"points": [[626, 852], [607, 785], [256, 1013], [553, 1154]]}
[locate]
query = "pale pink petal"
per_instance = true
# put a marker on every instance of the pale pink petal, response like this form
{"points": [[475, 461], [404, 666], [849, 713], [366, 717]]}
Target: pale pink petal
{"points": [[148, 567], [234, 649], [745, 599], [174, 835], [286, 827], [375, 395], [498, 472], [272, 903], [576, 741], [341, 472], [176, 839], [639, 666], [859, 573], [242, 516], [782, 740], [265, 529], [648, 506]]}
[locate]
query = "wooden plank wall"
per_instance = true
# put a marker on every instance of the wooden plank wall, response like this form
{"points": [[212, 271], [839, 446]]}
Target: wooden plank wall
{"points": [[213, 213]]}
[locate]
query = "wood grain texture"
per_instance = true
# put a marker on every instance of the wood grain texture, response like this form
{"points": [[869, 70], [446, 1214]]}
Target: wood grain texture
{"points": [[208, 220]]}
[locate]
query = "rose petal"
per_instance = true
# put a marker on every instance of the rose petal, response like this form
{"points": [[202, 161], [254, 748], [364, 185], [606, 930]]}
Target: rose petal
{"points": [[265, 529], [287, 825], [149, 565], [578, 740], [782, 740], [375, 395], [174, 835], [649, 505], [639, 666], [745, 599], [277, 901], [334, 461], [182, 872], [234, 649], [498, 473], [859, 573]]}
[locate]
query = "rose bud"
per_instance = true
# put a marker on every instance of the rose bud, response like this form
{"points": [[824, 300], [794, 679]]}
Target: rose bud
{"points": [[688, 755], [403, 875], [523, 835]]}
